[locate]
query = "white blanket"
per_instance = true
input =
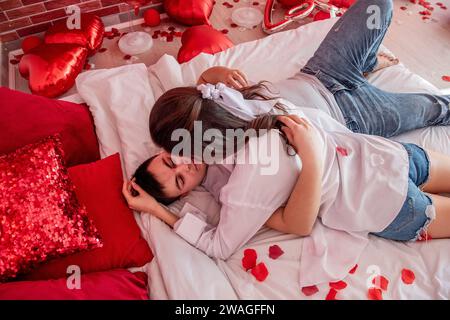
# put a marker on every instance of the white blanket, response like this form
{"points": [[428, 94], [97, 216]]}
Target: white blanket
{"points": [[121, 99]]}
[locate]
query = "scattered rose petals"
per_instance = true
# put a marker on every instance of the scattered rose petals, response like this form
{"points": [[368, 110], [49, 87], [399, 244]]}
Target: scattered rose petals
{"points": [[403, 8], [102, 49], [446, 78], [353, 270], [342, 151], [115, 31], [255, 3], [309, 291], [18, 56], [249, 259], [338, 285], [331, 294], [227, 4], [155, 36], [260, 271], [236, 1], [171, 28], [169, 38], [224, 31], [408, 276], [234, 25], [127, 57], [14, 61], [275, 252], [178, 34], [381, 282], [375, 294]]}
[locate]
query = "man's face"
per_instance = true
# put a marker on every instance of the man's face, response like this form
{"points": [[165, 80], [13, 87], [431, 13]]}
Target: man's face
{"points": [[178, 176]]}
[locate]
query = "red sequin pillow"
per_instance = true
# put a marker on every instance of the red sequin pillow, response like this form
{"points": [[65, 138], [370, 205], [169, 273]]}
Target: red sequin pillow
{"points": [[40, 216]]}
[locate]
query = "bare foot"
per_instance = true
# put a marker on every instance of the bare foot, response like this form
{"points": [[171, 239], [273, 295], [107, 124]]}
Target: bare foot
{"points": [[384, 60]]}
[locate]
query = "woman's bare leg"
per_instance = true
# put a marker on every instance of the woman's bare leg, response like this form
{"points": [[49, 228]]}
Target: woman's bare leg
{"points": [[440, 227], [439, 177]]}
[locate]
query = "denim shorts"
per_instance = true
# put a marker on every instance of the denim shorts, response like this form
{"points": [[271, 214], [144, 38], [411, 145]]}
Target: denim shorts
{"points": [[418, 210]]}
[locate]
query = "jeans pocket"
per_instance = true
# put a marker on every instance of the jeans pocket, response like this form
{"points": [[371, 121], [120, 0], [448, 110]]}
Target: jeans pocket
{"points": [[406, 216], [352, 125]]}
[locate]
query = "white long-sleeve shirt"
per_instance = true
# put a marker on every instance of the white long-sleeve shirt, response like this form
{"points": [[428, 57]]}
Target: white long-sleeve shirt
{"points": [[359, 170]]}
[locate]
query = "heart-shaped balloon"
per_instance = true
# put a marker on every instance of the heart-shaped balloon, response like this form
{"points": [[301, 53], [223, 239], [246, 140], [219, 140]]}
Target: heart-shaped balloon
{"points": [[189, 12], [89, 35], [52, 68], [198, 39]]}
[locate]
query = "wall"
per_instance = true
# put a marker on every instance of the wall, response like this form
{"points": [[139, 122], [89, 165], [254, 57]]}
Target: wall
{"points": [[20, 18]]}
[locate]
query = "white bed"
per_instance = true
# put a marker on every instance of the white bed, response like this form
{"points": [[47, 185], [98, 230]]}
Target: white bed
{"points": [[120, 100]]}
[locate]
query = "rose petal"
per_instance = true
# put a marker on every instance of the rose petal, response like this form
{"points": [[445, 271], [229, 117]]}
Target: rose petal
{"points": [[309, 291], [224, 31], [446, 78], [14, 61], [342, 151], [127, 57], [353, 270], [249, 259], [260, 271], [408, 276], [338, 285], [381, 282], [331, 294], [375, 294], [102, 49], [275, 252]]}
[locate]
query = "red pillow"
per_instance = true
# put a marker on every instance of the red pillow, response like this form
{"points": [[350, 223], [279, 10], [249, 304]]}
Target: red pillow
{"points": [[40, 216], [198, 39], [26, 118], [99, 187], [108, 285], [189, 12]]}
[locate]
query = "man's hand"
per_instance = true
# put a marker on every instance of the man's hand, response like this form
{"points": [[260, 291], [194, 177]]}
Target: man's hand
{"points": [[142, 201], [231, 77]]}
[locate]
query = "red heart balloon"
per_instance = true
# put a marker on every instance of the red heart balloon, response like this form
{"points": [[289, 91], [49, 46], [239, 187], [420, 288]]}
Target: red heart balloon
{"points": [[189, 12], [198, 39], [90, 35], [52, 68]]}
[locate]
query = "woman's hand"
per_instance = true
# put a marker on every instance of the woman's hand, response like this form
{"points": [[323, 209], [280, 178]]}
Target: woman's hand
{"points": [[303, 137], [142, 202], [231, 77]]}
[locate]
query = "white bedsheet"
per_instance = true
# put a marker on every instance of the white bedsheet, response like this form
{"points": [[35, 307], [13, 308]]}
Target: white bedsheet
{"points": [[179, 271]]}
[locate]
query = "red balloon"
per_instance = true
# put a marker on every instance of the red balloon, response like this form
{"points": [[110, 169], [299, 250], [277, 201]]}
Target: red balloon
{"points": [[52, 68], [189, 12], [290, 3], [90, 35], [152, 18], [30, 42], [198, 39]]}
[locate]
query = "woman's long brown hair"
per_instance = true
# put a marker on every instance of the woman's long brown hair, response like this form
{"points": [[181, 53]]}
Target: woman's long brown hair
{"points": [[179, 108]]}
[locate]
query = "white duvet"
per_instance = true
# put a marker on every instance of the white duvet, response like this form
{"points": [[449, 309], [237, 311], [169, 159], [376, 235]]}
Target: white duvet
{"points": [[120, 100]]}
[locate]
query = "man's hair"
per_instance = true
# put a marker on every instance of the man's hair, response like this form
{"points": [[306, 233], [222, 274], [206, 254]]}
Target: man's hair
{"points": [[147, 181]]}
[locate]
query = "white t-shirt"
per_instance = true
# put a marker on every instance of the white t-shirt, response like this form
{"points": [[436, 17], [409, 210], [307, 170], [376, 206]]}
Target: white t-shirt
{"points": [[358, 171]]}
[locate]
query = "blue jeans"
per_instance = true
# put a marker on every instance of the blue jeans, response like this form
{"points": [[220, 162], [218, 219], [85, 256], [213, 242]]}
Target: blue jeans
{"points": [[349, 50], [417, 211]]}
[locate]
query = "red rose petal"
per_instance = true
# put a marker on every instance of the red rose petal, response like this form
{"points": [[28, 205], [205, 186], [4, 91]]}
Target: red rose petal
{"points": [[408, 276], [87, 66], [375, 294], [115, 31], [260, 271], [342, 151], [403, 8], [224, 31], [102, 49], [171, 28], [127, 57], [275, 252], [178, 34], [309, 291], [255, 3], [249, 259], [331, 294], [14, 61], [339, 285], [446, 78], [353, 270], [155, 36], [169, 38], [381, 282], [233, 25]]}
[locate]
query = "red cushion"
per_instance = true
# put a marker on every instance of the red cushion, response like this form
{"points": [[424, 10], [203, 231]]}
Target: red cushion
{"points": [[40, 216], [26, 118], [198, 39], [107, 285], [99, 187]]}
